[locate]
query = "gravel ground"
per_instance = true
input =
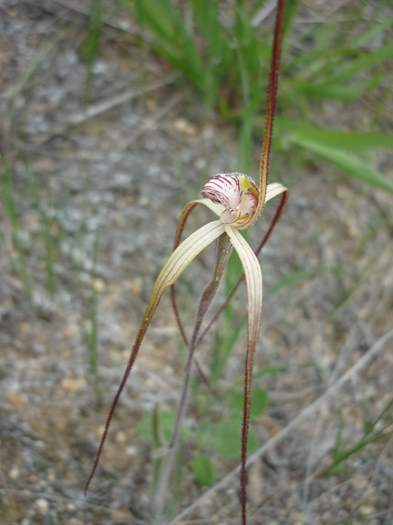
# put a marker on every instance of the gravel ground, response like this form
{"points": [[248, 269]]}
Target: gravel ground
{"points": [[97, 188]]}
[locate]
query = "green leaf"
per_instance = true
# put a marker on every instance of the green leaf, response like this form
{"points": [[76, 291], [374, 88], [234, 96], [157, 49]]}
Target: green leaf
{"points": [[349, 163], [157, 426], [259, 402], [225, 438], [270, 370], [292, 278], [353, 140], [94, 34], [7, 197], [225, 344], [335, 89], [364, 61], [375, 29], [203, 470]]}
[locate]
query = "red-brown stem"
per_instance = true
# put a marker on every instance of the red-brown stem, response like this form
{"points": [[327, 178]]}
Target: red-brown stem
{"points": [[249, 363], [133, 355], [264, 162], [263, 176]]}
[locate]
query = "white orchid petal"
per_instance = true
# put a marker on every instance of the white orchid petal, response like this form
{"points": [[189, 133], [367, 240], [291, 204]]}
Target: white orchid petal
{"points": [[274, 189], [253, 274], [215, 208], [185, 253]]}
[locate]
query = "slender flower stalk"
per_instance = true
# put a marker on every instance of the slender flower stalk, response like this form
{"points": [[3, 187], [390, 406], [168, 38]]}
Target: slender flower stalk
{"points": [[223, 251], [237, 201]]}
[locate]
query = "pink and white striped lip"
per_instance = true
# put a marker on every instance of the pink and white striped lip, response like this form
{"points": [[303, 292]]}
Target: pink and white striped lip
{"points": [[237, 192]]}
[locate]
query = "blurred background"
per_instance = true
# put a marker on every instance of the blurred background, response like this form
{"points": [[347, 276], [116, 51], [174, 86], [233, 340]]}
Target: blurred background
{"points": [[113, 116]]}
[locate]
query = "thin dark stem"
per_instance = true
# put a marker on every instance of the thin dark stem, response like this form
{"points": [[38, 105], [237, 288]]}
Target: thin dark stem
{"points": [[177, 314], [271, 103], [208, 294], [249, 363], [263, 176], [183, 334], [133, 355]]}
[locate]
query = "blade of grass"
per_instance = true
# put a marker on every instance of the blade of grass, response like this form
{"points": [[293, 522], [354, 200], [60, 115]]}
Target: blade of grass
{"points": [[7, 198], [352, 140], [94, 33], [349, 163], [379, 26], [362, 63]]}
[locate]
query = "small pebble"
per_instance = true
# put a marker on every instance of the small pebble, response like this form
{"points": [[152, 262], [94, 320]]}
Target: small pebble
{"points": [[99, 284], [121, 437], [136, 285], [131, 451], [184, 126], [17, 400], [42, 505], [366, 510], [99, 431], [72, 385], [14, 473], [51, 476]]}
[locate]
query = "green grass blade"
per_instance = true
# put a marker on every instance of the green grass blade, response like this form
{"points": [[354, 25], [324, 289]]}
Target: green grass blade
{"points": [[8, 198], [334, 90], [94, 34], [349, 163], [293, 278], [203, 470], [157, 16], [352, 140], [376, 28], [365, 61], [290, 13]]}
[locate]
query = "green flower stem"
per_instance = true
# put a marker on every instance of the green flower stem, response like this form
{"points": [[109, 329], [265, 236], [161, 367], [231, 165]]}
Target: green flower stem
{"points": [[223, 251]]}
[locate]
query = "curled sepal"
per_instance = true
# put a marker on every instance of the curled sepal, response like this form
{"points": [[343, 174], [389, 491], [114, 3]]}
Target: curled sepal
{"points": [[215, 208], [182, 256], [274, 189], [253, 275]]}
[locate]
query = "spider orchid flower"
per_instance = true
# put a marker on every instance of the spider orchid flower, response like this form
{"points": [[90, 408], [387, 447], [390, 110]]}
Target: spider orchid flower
{"points": [[233, 198], [238, 202]]}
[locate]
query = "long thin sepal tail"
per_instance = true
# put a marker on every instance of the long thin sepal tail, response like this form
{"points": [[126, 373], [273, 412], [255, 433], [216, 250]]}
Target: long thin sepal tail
{"points": [[184, 254]]}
